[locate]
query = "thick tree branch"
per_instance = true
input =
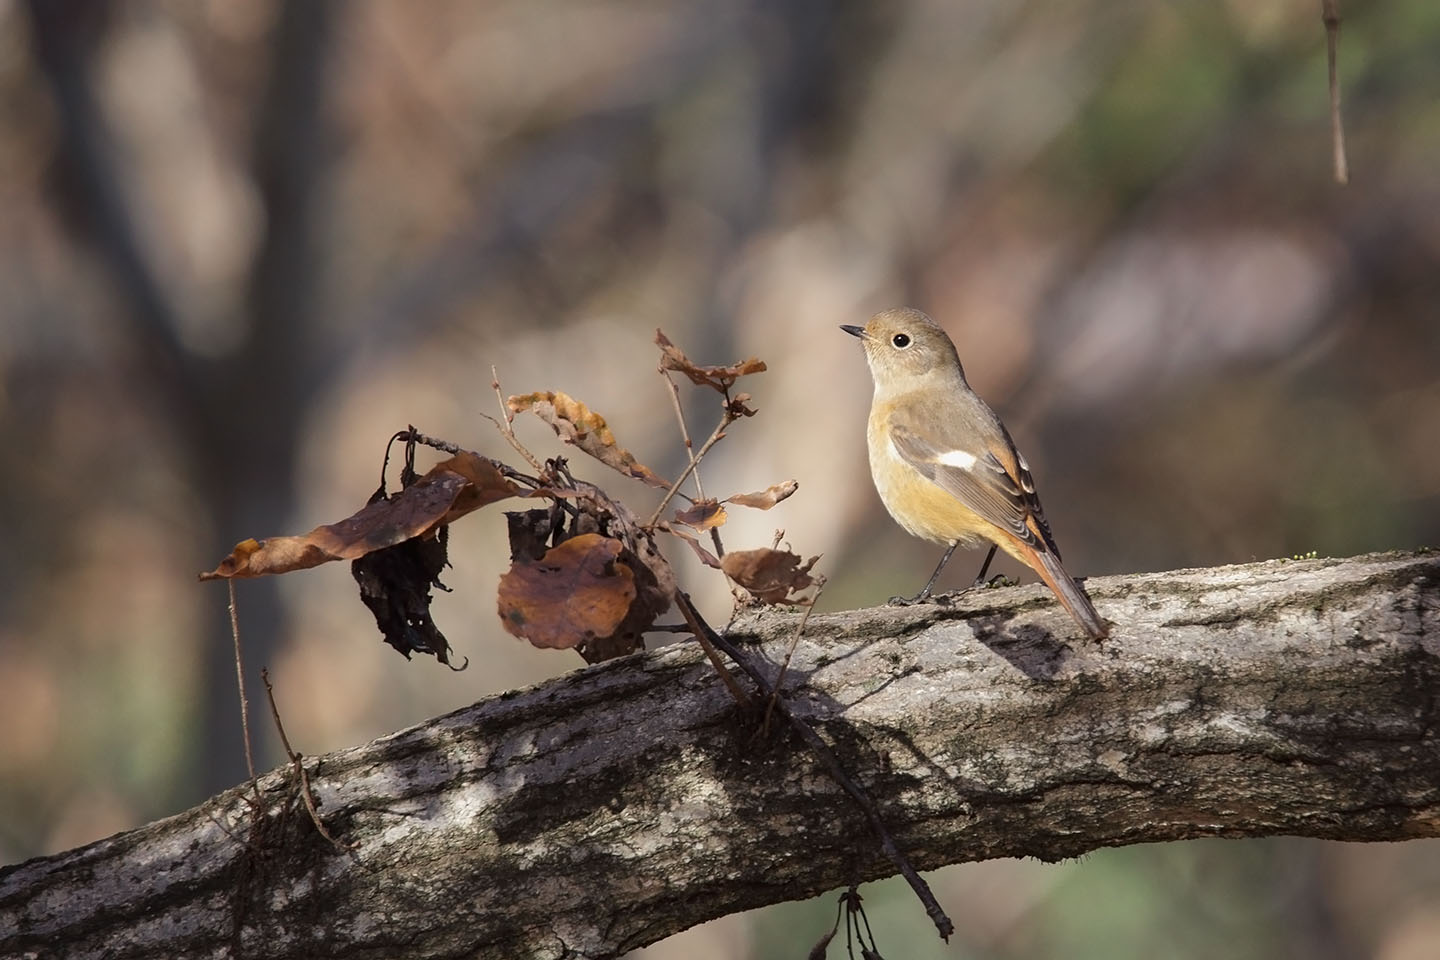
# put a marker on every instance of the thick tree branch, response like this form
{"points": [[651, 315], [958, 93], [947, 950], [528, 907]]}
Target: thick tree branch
{"points": [[621, 803]]}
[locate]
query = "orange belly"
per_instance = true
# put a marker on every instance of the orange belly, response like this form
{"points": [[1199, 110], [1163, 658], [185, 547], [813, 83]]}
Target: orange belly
{"points": [[921, 506]]}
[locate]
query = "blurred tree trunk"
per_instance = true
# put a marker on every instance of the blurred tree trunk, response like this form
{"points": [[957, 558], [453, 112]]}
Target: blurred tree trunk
{"points": [[612, 807], [237, 419]]}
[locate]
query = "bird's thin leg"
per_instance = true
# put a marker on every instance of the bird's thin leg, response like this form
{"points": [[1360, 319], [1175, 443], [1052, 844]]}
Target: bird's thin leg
{"points": [[936, 575], [984, 567]]}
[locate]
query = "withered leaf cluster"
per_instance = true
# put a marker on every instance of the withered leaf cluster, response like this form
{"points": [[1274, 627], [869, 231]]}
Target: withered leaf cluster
{"points": [[588, 577], [397, 543], [586, 573]]}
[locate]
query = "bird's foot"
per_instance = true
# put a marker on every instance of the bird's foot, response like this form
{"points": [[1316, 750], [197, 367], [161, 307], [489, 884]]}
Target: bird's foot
{"points": [[922, 597]]}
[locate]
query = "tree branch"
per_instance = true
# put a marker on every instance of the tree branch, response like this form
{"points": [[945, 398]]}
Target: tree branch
{"points": [[624, 802]]}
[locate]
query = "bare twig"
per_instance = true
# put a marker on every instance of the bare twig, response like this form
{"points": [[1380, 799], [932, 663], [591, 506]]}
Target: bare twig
{"points": [[504, 425], [240, 683], [298, 763], [690, 452], [1330, 15], [698, 628], [790, 650], [411, 434], [830, 761], [725, 421], [684, 431], [535, 483]]}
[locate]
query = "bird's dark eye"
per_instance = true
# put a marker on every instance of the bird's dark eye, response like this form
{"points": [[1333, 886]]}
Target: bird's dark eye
{"points": [[901, 340]]}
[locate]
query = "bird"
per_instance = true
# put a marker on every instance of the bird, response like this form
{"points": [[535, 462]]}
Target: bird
{"points": [[944, 464]]}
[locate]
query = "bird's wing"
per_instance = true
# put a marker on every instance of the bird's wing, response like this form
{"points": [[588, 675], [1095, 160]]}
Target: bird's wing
{"points": [[994, 482]]}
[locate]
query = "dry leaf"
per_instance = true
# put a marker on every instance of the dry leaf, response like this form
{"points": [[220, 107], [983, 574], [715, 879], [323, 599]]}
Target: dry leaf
{"points": [[578, 593], [452, 488], [720, 378], [739, 406], [770, 575], [395, 585], [766, 498], [577, 424], [705, 556], [654, 590], [702, 515]]}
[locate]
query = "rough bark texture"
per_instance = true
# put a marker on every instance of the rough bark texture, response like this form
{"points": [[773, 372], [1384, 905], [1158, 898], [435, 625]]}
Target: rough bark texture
{"points": [[624, 802]]}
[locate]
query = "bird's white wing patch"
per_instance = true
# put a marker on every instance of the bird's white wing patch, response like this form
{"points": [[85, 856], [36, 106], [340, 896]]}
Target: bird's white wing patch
{"points": [[957, 458]]}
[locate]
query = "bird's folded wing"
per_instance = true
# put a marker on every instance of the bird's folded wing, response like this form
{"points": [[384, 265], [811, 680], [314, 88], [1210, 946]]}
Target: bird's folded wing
{"points": [[981, 481]]}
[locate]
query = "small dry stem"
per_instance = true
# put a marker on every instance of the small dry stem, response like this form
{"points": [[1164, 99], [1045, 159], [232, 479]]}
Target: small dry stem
{"points": [[298, 764], [505, 424]]}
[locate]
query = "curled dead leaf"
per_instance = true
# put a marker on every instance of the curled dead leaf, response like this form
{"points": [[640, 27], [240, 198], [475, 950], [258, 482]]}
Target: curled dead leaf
{"points": [[578, 593], [705, 556], [718, 378], [702, 515], [577, 424], [395, 585], [739, 406], [771, 576], [451, 489], [767, 498]]}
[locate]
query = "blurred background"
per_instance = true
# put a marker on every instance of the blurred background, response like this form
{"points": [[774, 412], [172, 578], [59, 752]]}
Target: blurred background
{"points": [[243, 243]]}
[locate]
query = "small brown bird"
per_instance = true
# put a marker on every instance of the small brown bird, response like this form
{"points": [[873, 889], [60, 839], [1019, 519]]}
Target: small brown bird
{"points": [[944, 464]]}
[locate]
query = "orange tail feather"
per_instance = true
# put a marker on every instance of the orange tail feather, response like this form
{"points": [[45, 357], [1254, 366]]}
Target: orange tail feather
{"points": [[1070, 594]]}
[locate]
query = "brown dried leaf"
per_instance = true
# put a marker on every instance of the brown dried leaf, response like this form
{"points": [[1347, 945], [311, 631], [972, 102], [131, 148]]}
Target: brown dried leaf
{"points": [[767, 498], [739, 406], [702, 515], [654, 589], [578, 593], [705, 556], [452, 488], [719, 378], [577, 424], [770, 575]]}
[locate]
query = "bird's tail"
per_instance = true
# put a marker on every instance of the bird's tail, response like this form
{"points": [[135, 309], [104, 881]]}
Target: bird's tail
{"points": [[1071, 595]]}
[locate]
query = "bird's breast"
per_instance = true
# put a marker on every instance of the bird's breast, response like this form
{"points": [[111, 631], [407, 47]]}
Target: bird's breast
{"points": [[919, 505]]}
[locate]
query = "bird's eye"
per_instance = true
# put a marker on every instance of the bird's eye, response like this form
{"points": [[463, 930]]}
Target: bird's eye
{"points": [[901, 340]]}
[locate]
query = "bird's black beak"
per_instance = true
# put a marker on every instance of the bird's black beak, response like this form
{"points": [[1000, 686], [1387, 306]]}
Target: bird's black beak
{"points": [[854, 331]]}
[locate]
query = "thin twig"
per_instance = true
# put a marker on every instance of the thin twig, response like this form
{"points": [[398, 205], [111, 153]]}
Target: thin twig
{"points": [[684, 431], [690, 452], [790, 651], [297, 761], [831, 763], [411, 434], [240, 682], [504, 425], [725, 421], [224, 829], [1330, 14], [698, 627]]}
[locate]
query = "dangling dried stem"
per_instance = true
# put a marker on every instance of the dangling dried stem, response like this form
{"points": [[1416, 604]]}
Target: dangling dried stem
{"points": [[1330, 14]]}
